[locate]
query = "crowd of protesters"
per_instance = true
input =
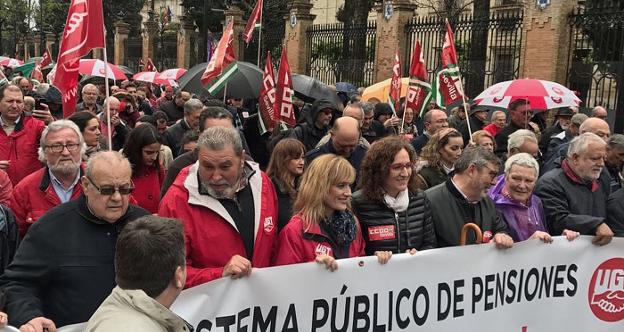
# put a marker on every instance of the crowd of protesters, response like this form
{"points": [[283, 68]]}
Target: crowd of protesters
{"points": [[351, 179]]}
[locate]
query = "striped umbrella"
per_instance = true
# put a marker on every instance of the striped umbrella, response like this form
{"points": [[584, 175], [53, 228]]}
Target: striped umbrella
{"points": [[95, 67], [172, 74], [152, 77], [11, 63]]}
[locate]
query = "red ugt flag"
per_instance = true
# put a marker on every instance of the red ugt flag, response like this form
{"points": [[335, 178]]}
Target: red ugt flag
{"points": [[46, 59], [283, 108], [84, 30], [267, 97], [419, 91], [222, 57], [395, 83], [256, 15]]}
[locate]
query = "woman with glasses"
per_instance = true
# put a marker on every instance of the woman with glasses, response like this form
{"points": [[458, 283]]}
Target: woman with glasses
{"points": [[438, 158], [285, 169], [392, 210], [324, 228], [141, 149]]}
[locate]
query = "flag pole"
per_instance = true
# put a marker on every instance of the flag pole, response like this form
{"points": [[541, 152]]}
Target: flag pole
{"points": [[463, 94], [108, 115], [409, 82], [260, 37]]}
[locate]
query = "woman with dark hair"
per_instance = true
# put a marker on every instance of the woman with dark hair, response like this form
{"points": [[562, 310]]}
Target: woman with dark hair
{"points": [[89, 126], [285, 168], [324, 228], [391, 209], [438, 158], [142, 149]]}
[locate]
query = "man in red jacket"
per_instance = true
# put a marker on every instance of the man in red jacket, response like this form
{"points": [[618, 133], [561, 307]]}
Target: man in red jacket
{"points": [[61, 150], [228, 207], [19, 137]]}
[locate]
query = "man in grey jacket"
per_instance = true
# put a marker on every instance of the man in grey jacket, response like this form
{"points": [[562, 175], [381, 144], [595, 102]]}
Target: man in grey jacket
{"points": [[150, 270]]}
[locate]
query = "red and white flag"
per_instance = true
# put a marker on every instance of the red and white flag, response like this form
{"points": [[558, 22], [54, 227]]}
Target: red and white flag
{"points": [[283, 108], [448, 89], [419, 90], [256, 15], [84, 30], [46, 59], [266, 100], [37, 74], [222, 57], [148, 65], [395, 84]]}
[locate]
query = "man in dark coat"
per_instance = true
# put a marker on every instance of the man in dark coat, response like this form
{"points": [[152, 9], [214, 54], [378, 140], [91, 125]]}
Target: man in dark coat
{"points": [[435, 120], [64, 268], [344, 141], [476, 117], [573, 197], [316, 125], [520, 113], [175, 108], [173, 135], [565, 136], [463, 199], [562, 122]]}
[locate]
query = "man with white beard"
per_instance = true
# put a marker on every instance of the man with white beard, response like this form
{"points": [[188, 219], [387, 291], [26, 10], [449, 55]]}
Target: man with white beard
{"points": [[61, 149], [228, 207]]}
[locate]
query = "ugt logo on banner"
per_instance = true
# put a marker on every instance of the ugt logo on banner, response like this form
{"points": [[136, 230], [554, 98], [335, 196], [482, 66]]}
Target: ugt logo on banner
{"points": [[606, 290]]}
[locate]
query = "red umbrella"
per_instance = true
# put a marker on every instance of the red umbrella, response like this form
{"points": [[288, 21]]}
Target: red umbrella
{"points": [[95, 67], [542, 95], [152, 77], [172, 74]]}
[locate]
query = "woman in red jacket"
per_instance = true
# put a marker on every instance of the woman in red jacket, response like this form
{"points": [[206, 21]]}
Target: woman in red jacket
{"points": [[323, 228], [141, 149]]}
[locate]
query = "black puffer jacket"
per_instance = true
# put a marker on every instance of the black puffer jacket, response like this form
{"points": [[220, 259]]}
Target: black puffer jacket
{"points": [[380, 224]]}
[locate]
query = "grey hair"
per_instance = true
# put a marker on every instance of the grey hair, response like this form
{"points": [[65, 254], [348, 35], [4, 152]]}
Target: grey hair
{"points": [[517, 138], [495, 113], [355, 105], [367, 107], [55, 126], [88, 85], [580, 143], [107, 157], [107, 100], [192, 105], [477, 156], [616, 141], [218, 138], [42, 88], [522, 159]]}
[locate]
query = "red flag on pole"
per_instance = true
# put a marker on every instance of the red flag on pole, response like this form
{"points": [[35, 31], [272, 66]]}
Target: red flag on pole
{"points": [[147, 65], [267, 98], [419, 90], [449, 55], [46, 59], [36, 74], [222, 57], [256, 15], [283, 108], [395, 84], [448, 89], [84, 30]]}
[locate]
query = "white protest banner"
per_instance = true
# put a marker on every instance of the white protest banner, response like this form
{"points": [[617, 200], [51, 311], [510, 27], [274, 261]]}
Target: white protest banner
{"points": [[563, 286]]}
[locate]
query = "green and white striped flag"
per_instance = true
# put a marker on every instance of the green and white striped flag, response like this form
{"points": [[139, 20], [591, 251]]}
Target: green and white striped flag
{"points": [[218, 83]]}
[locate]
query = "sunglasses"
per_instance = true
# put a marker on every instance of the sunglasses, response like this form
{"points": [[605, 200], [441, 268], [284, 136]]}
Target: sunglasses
{"points": [[109, 190]]}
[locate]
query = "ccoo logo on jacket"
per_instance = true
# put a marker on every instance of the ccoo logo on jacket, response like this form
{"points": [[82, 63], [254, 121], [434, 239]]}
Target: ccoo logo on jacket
{"points": [[606, 290], [268, 224]]}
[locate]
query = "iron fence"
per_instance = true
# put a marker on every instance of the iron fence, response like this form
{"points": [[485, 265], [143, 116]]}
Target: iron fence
{"points": [[272, 40], [488, 47], [339, 53], [134, 50], [166, 51], [596, 61]]}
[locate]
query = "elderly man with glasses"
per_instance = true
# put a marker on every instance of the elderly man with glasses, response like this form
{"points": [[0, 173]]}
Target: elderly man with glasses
{"points": [[61, 148], [64, 268]]}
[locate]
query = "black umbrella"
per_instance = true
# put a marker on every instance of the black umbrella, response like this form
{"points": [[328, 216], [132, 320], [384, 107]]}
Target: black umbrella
{"points": [[126, 70], [245, 83], [310, 89]]}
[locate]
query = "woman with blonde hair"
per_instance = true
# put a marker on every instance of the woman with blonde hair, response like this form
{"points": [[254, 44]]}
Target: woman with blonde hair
{"points": [[484, 139], [285, 169], [323, 228], [438, 158]]}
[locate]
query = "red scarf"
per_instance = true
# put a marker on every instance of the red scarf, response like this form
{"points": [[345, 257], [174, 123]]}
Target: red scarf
{"points": [[593, 186]]}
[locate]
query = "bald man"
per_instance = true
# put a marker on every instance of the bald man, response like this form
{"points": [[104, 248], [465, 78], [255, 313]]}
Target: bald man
{"points": [[353, 110], [344, 141], [600, 113], [119, 129]]}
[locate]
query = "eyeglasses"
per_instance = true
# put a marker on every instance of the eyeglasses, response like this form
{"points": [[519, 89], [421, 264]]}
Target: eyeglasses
{"points": [[493, 173], [57, 148], [399, 167], [109, 190]]}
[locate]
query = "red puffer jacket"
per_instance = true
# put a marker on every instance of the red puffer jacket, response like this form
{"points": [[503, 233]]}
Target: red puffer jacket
{"points": [[21, 148], [211, 235], [298, 245], [147, 185], [34, 196]]}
